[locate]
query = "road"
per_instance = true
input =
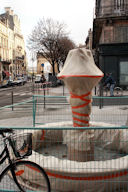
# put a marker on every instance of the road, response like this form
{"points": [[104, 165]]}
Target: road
{"points": [[17, 94], [22, 93]]}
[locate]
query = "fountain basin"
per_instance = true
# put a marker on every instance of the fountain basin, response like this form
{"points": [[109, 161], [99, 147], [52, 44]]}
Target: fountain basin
{"points": [[91, 176]]}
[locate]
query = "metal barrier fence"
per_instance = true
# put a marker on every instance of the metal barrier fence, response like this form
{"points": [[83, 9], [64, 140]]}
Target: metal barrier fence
{"points": [[48, 109], [20, 116], [108, 172], [56, 147], [47, 89], [12, 95]]}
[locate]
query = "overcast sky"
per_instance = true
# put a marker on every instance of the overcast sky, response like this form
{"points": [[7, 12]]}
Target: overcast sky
{"points": [[76, 14]]}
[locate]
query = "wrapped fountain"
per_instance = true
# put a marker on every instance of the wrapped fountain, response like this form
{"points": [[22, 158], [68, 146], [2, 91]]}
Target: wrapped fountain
{"points": [[81, 171], [80, 75]]}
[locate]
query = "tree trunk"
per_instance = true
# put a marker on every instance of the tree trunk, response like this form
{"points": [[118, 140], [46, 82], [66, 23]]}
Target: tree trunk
{"points": [[58, 67], [53, 67]]}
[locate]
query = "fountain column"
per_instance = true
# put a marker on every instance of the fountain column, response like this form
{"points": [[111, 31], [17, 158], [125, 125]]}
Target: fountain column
{"points": [[80, 75]]}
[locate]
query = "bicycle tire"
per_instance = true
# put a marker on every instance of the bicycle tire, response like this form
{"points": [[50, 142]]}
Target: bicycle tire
{"points": [[118, 91], [29, 176], [104, 92]]}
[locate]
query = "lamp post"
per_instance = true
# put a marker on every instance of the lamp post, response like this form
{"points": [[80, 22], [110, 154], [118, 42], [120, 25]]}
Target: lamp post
{"points": [[32, 59]]}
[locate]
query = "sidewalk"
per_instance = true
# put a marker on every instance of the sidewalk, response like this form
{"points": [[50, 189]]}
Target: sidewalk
{"points": [[23, 116]]}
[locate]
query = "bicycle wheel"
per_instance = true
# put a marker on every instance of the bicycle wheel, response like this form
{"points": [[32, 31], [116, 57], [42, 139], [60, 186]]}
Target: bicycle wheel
{"points": [[118, 91], [29, 176], [106, 91]]}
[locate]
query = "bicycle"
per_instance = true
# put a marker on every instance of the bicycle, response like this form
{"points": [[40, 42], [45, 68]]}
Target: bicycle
{"points": [[27, 175], [118, 91]]}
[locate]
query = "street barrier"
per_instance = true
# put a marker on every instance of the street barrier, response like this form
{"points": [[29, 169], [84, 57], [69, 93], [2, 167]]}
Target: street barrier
{"points": [[57, 107], [108, 172], [51, 130]]}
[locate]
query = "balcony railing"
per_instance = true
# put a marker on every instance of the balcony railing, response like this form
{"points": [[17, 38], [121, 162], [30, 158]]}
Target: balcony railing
{"points": [[110, 11], [5, 60], [19, 58]]}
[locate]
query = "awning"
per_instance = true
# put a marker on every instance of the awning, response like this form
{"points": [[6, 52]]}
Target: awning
{"points": [[7, 73]]}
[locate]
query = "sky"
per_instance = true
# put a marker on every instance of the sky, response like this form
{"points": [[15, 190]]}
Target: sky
{"points": [[76, 14]]}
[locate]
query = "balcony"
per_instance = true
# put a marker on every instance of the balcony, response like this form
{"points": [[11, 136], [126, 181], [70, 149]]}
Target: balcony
{"points": [[17, 55], [111, 11], [20, 58], [5, 61]]}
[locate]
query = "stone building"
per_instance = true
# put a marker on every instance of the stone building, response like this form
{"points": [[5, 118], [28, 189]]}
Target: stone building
{"points": [[4, 51], [110, 38], [88, 41], [40, 65], [19, 54], [12, 47]]}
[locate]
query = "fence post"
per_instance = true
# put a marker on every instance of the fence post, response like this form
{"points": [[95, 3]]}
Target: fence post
{"points": [[101, 97], [47, 87], [12, 99], [33, 98], [44, 98], [63, 88], [95, 90], [32, 87]]}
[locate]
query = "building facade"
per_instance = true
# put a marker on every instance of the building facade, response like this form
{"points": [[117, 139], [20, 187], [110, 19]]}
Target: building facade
{"points": [[12, 47], [4, 51], [19, 54], [41, 64], [88, 41], [110, 38]]}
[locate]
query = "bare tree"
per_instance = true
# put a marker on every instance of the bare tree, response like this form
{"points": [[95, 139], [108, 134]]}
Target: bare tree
{"points": [[45, 39], [65, 44]]}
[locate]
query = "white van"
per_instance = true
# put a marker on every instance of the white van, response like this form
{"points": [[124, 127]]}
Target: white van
{"points": [[38, 78]]}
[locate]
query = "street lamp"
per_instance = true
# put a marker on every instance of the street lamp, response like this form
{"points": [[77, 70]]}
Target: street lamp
{"points": [[32, 59]]}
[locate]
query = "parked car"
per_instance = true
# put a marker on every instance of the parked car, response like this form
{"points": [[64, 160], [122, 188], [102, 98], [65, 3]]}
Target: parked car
{"points": [[18, 81], [25, 79], [10, 81], [39, 79], [4, 84], [55, 82]]}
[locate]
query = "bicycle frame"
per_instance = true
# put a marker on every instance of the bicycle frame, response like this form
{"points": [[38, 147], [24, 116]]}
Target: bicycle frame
{"points": [[11, 168], [5, 155]]}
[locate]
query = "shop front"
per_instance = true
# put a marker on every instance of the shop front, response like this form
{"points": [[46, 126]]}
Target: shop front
{"points": [[113, 58], [4, 73]]}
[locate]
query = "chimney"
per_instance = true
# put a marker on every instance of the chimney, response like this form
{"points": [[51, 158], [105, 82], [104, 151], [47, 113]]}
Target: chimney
{"points": [[11, 13], [8, 10]]}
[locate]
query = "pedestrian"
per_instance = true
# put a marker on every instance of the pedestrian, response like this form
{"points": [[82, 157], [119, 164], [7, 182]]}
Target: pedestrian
{"points": [[43, 78], [3, 74], [110, 83]]}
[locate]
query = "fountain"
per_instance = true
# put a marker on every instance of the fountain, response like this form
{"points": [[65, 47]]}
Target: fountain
{"points": [[80, 171], [80, 75]]}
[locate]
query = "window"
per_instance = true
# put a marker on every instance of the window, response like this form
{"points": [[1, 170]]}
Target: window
{"points": [[119, 4], [121, 34], [108, 35], [124, 73]]}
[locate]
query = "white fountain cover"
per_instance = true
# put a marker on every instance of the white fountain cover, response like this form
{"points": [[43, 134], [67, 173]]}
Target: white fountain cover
{"points": [[80, 63], [80, 75]]}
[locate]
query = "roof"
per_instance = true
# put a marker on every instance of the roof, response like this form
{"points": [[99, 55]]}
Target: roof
{"points": [[9, 18]]}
